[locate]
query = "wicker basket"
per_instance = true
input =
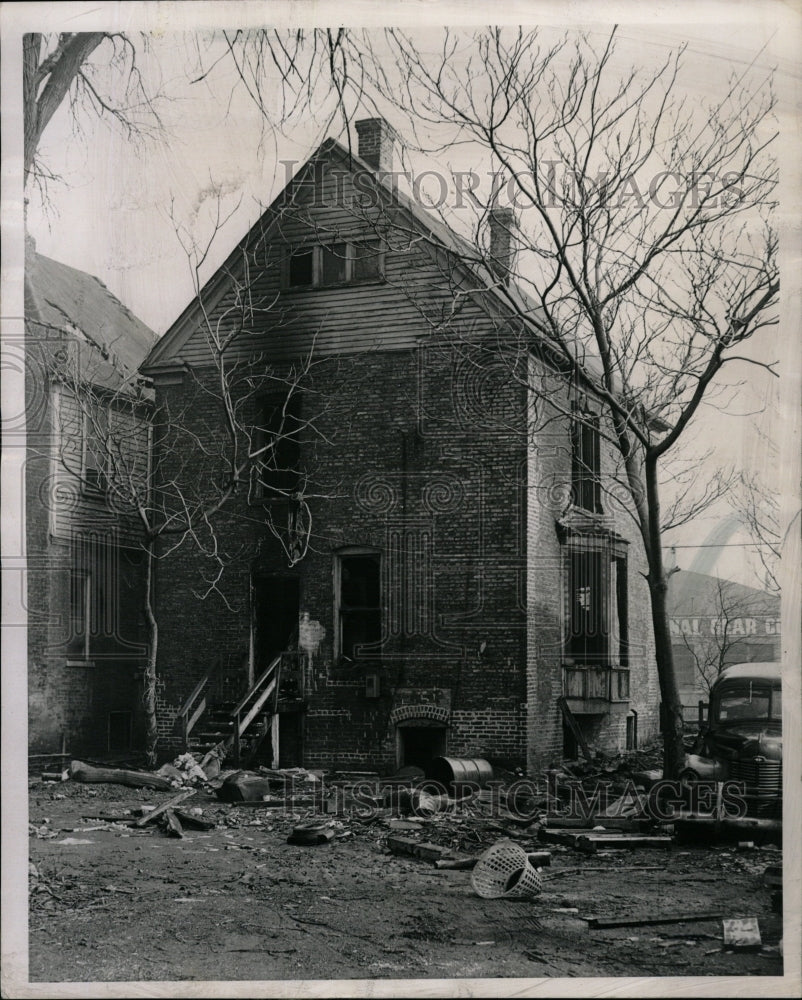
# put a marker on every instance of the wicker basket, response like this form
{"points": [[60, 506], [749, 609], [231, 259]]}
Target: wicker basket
{"points": [[503, 871]]}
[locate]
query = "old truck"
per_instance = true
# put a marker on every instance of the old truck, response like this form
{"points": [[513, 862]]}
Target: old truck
{"points": [[742, 738]]}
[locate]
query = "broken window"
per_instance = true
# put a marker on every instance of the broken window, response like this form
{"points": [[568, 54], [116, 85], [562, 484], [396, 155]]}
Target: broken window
{"points": [[278, 446], [367, 261], [597, 627], [301, 270], [333, 266], [338, 263], [358, 597], [586, 461]]}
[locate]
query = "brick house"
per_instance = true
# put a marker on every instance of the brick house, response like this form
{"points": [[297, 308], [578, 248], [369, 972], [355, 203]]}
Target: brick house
{"points": [[453, 569], [84, 567]]}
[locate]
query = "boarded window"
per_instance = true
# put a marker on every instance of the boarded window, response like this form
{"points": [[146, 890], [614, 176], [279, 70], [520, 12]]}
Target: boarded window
{"points": [[333, 265], [586, 461], [278, 445], [302, 268], [359, 610]]}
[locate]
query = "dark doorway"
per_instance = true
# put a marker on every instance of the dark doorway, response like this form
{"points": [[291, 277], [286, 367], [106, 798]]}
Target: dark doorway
{"points": [[419, 743], [290, 740], [119, 731], [276, 603]]}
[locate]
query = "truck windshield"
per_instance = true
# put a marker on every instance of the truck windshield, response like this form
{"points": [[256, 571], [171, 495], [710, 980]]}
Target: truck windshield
{"points": [[748, 703]]}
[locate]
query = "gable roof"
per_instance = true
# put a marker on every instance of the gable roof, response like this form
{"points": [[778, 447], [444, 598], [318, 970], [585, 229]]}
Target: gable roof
{"points": [[507, 296], [78, 304]]}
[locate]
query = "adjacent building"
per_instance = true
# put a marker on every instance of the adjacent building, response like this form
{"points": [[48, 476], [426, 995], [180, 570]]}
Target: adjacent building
{"points": [[715, 623], [84, 561]]}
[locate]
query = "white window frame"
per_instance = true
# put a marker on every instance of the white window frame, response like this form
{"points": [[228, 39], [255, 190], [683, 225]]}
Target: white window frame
{"points": [[317, 264], [347, 553]]}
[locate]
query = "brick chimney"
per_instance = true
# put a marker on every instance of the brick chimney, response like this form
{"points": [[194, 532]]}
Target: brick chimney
{"points": [[503, 243], [377, 140]]}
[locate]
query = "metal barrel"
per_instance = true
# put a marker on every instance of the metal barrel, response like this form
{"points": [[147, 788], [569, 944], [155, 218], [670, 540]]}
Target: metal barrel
{"points": [[456, 772]]}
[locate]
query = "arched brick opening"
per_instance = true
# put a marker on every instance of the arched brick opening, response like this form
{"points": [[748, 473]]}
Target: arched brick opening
{"points": [[420, 734], [431, 712]]}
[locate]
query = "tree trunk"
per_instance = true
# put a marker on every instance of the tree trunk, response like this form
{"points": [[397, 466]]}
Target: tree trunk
{"points": [[47, 82], [671, 719], [149, 693]]}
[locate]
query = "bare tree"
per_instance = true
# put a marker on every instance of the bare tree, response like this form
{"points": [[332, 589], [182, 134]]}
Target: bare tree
{"points": [[757, 504], [97, 72], [169, 475], [723, 641], [643, 253]]}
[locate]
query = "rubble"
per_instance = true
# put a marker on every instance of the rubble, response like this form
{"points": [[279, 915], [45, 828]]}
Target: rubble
{"points": [[153, 814]]}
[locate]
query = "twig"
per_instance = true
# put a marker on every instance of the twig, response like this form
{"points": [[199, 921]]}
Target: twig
{"points": [[609, 869]]}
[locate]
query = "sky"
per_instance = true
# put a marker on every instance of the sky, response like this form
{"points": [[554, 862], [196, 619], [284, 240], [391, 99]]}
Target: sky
{"points": [[115, 212]]}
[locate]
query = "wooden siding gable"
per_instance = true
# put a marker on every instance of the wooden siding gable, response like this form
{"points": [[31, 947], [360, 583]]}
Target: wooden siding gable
{"points": [[416, 296]]}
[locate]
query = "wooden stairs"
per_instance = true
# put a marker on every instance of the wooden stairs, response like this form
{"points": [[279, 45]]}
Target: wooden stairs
{"points": [[209, 717]]}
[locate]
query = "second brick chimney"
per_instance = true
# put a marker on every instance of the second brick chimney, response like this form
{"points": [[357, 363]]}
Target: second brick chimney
{"points": [[377, 142], [503, 242]]}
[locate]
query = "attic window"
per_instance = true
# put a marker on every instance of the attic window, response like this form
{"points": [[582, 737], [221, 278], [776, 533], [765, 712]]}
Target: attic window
{"points": [[333, 264], [302, 268], [368, 261]]}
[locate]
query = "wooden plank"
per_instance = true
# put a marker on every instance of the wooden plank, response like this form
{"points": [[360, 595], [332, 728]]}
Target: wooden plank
{"points": [[193, 822], [154, 813], [590, 843], [548, 836], [573, 725], [174, 828], [649, 918], [610, 822]]}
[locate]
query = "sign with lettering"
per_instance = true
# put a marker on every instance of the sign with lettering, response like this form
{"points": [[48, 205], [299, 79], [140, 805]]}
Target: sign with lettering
{"points": [[706, 626]]}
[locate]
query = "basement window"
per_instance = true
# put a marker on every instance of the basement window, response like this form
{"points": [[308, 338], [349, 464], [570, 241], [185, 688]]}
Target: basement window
{"points": [[358, 604]]}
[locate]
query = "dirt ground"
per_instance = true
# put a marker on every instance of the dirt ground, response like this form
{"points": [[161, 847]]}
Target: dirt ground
{"points": [[240, 903]]}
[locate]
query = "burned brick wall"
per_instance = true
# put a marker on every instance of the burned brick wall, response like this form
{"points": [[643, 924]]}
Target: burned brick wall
{"points": [[408, 469]]}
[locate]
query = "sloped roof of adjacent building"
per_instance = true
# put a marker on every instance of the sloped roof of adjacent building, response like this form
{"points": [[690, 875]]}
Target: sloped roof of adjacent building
{"points": [[63, 298]]}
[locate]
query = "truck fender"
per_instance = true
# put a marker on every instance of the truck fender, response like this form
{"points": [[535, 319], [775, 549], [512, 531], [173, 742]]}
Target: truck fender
{"points": [[698, 768]]}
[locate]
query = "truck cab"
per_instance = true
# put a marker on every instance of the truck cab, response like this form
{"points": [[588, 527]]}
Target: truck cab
{"points": [[742, 738]]}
